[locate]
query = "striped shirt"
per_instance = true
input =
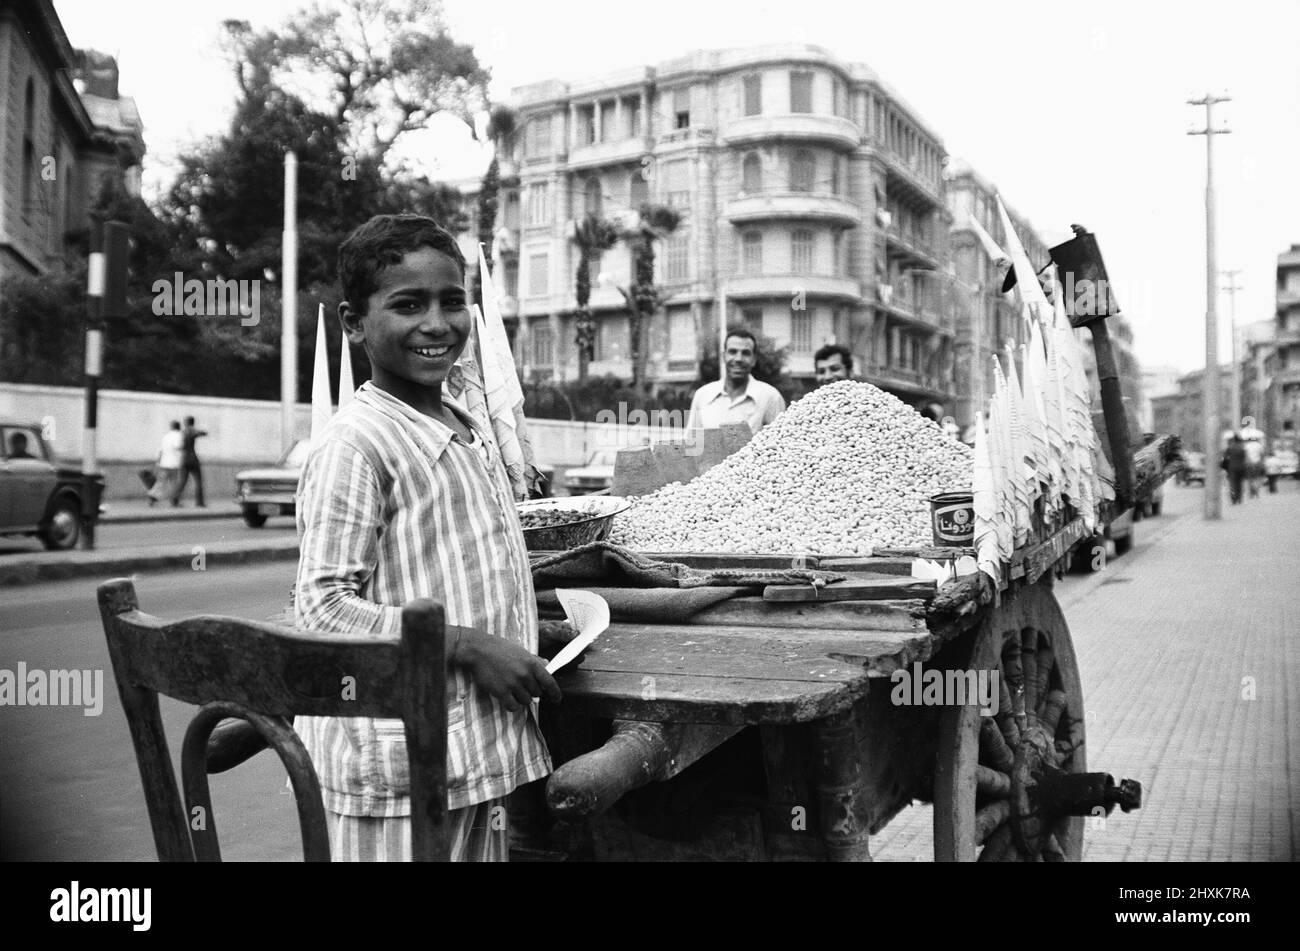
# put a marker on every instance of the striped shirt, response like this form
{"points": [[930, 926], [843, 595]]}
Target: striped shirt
{"points": [[392, 506]]}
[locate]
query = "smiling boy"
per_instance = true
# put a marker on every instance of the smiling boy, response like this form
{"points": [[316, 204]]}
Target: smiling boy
{"points": [[404, 497]]}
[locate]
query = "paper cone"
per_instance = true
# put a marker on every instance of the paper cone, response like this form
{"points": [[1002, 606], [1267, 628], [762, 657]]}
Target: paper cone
{"points": [[347, 389], [322, 407]]}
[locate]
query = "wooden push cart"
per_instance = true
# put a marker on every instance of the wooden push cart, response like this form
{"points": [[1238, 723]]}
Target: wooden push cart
{"points": [[768, 727]]}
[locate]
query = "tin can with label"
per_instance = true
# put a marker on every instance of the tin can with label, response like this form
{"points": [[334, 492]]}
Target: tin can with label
{"points": [[952, 518]]}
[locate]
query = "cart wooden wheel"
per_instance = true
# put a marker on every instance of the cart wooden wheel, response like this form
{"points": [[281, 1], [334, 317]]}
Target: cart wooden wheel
{"points": [[987, 805]]}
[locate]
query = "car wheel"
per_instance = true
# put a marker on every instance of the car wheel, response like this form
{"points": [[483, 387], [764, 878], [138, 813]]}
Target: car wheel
{"points": [[1123, 544], [252, 517], [1156, 507], [63, 529]]}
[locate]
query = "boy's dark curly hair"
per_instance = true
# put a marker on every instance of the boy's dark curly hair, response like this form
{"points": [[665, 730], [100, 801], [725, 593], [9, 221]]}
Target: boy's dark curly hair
{"points": [[382, 242]]}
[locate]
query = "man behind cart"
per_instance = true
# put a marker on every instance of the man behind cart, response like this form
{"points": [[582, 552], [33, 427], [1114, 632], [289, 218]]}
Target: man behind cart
{"points": [[737, 397]]}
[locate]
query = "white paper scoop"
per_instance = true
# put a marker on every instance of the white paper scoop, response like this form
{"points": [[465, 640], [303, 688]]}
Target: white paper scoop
{"points": [[587, 612]]}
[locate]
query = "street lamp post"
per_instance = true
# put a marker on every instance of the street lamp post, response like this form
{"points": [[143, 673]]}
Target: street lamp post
{"points": [[1211, 421]]}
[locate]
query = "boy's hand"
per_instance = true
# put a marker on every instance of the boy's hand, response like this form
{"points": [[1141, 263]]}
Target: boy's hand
{"points": [[551, 638], [504, 670]]}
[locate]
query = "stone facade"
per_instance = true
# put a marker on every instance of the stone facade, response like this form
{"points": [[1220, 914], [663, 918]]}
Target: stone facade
{"points": [[59, 140]]}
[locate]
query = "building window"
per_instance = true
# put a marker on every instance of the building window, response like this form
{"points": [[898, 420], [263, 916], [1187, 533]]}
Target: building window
{"points": [[543, 343], [801, 331], [677, 265], [681, 333], [751, 174], [539, 273], [840, 93], [752, 256], [840, 326], [800, 91], [752, 318], [538, 141], [538, 211], [511, 282], [586, 125], [511, 216], [632, 108], [837, 253], [593, 201], [803, 169], [676, 185], [835, 174], [753, 95], [801, 251], [612, 338], [29, 150], [638, 192], [682, 108]]}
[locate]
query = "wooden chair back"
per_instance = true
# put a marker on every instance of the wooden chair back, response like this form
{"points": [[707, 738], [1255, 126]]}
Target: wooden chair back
{"points": [[265, 674]]}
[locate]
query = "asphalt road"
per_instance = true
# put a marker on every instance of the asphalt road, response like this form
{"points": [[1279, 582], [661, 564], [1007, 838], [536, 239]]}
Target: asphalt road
{"points": [[113, 536], [69, 787]]}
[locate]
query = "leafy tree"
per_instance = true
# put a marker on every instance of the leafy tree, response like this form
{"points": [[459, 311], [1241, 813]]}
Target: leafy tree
{"points": [[380, 67]]}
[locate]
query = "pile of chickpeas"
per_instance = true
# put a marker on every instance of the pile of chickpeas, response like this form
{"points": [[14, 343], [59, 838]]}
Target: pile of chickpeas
{"points": [[845, 470]]}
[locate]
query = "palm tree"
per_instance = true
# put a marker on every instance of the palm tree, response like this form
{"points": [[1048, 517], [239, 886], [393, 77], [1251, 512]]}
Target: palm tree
{"points": [[501, 125], [594, 236], [644, 298]]}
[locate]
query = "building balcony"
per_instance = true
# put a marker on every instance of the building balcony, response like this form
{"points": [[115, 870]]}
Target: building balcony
{"points": [[509, 307], [787, 285], [909, 253], [919, 315], [765, 206], [1287, 299], [675, 139], [904, 183], [795, 127], [1287, 378], [610, 153]]}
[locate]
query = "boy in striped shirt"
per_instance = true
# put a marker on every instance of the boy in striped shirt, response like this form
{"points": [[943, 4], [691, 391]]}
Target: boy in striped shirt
{"points": [[404, 497]]}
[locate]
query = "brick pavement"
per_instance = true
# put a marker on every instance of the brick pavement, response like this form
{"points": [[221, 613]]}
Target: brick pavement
{"points": [[1171, 639]]}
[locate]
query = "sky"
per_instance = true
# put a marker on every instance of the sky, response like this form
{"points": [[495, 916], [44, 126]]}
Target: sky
{"points": [[1077, 113]]}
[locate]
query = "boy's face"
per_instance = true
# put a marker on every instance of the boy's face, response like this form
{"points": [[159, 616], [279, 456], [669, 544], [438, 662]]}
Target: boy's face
{"points": [[416, 322]]}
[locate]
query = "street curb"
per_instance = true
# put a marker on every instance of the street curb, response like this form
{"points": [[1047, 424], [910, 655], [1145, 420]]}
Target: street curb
{"points": [[166, 515], [24, 571]]}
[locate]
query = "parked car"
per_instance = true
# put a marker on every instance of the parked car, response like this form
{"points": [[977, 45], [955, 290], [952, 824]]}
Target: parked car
{"points": [[1288, 463], [38, 496], [263, 493], [1193, 468], [595, 476]]}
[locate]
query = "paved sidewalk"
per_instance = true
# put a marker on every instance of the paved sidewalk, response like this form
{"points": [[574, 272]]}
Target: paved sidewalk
{"points": [[1189, 652], [139, 510]]}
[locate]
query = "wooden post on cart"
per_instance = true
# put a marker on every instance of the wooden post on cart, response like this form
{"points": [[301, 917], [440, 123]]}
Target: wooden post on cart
{"points": [[1079, 263]]}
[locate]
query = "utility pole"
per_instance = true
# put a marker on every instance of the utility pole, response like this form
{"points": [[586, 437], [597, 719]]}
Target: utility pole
{"points": [[289, 304], [1232, 289], [1211, 381]]}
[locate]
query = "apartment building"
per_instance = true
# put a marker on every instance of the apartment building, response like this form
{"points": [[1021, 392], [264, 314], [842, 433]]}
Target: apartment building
{"points": [[1282, 365], [811, 199], [63, 128]]}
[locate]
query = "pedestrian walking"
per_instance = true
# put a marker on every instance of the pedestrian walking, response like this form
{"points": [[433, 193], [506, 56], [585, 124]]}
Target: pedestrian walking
{"points": [[1272, 469], [170, 457], [190, 463], [1234, 464]]}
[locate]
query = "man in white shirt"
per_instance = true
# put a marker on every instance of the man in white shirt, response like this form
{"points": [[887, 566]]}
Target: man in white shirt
{"points": [[738, 398]]}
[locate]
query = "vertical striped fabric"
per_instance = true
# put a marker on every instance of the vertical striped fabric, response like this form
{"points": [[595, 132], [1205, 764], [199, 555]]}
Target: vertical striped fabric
{"points": [[478, 834], [392, 506]]}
